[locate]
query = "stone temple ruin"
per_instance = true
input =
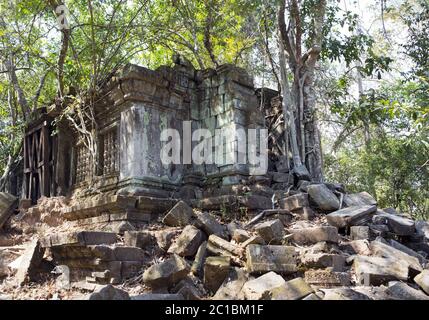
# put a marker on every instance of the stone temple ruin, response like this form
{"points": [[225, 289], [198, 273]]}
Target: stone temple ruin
{"points": [[128, 214]]}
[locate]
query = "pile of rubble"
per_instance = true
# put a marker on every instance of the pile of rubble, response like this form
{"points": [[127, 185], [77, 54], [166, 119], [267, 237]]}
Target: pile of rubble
{"points": [[317, 242]]}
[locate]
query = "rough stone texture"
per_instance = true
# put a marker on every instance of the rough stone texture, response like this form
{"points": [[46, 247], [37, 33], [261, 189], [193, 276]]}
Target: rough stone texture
{"points": [[383, 250], [138, 239], [422, 280], [271, 231], [305, 213], [261, 259], [167, 273], [253, 240], [200, 257], [261, 288], [359, 199], [377, 270], [301, 172], [402, 291], [359, 232], [240, 235], [179, 216], [188, 242], [219, 246], [397, 224], [294, 289], [409, 251], [327, 278], [422, 228], [206, 222], [165, 237], [294, 202], [324, 198], [343, 294], [30, 260], [109, 292], [231, 288], [351, 216], [84, 238], [314, 235], [323, 260], [216, 269], [8, 203]]}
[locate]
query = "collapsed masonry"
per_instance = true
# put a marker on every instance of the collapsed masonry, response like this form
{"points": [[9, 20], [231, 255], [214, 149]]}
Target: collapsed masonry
{"points": [[202, 231]]}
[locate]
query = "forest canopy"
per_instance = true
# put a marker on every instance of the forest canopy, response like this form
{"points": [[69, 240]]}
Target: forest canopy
{"points": [[355, 73]]}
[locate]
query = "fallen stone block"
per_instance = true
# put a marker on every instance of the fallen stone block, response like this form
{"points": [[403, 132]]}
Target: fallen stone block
{"points": [[301, 173], [219, 246], [179, 216], [261, 288], [164, 238], [83, 238], [253, 240], [206, 222], [123, 253], [231, 288], [422, 279], [261, 259], [327, 278], [383, 250], [29, 261], [158, 296], [138, 239], [167, 273], [200, 257], [359, 232], [343, 294], [351, 216], [323, 260], [240, 235], [403, 291], [8, 203], [294, 202], [188, 289], [409, 251], [294, 289], [271, 231], [305, 213], [359, 199], [188, 242], [324, 198], [397, 224], [422, 228], [109, 292], [377, 270], [314, 235], [216, 269], [359, 247]]}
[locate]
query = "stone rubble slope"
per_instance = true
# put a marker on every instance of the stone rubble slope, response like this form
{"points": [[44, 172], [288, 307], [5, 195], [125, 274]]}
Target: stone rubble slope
{"points": [[317, 243]]}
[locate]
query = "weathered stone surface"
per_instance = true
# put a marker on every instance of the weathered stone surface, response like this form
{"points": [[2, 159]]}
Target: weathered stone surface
{"points": [[359, 199], [158, 296], [84, 238], [359, 232], [123, 253], [219, 246], [261, 259], [261, 288], [377, 270], [351, 216], [323, 260], [422, 279], [359, 247], [138, 239], [422, 228], [271, 231], [30, 260], [409, 251], [8, 203], [179, 216], [281, 177], [294, 289], [312, 297], [167, 273], [200, 257], [294, 202], [402, 291], [397, 224], [216, 269], [206, 222], [301, 173], [327, 278], [108, 292], [305, 213], [240, 235], [165, 237], [343, 294], [314, 235], [383, 250], [324, 198], [188, 242], [253, 240], [231, 288]]}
